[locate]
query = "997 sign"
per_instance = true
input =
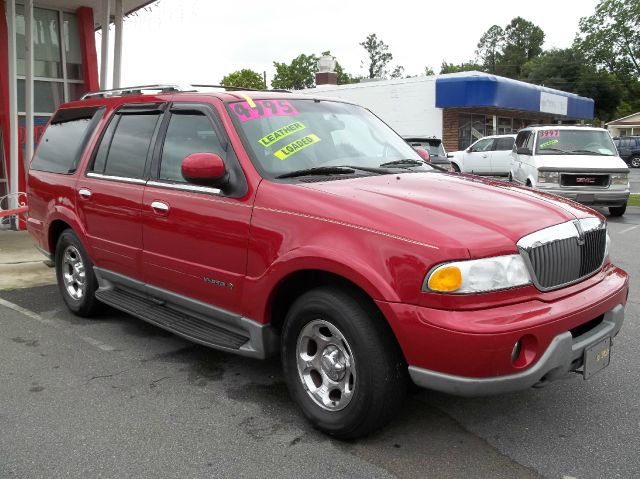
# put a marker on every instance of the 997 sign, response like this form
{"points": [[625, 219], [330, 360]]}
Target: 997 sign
{"points": [[263, 108]]}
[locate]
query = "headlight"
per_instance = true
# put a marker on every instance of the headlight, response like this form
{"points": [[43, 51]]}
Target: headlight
{"points": [[478, 275], [620, 179], [548, 177]]}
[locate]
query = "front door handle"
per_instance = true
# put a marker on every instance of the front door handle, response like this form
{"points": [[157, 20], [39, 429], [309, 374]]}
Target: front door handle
{"points": [[84, 193], [484, 156], [160, 208]]}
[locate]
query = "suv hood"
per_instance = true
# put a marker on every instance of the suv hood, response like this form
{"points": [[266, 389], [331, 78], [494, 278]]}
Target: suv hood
{"points": [[485, 217]]}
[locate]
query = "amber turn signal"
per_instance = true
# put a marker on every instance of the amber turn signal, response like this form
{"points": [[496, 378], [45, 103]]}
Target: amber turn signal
{"points": [[446, 279]]}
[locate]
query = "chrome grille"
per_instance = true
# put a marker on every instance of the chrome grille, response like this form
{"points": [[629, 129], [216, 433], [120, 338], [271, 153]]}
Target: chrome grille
{"points": [[565, 253]]}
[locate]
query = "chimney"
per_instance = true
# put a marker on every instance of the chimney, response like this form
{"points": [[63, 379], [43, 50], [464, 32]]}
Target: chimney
{"points": [[326, 74]]}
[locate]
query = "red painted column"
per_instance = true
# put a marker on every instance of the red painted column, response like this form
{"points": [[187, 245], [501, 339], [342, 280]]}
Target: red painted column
{"points": [[5, 121], [88, 48]]}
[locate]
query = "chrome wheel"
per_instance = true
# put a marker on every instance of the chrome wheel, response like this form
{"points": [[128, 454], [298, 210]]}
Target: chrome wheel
{"points": [[73, 273], [326, 365], [635, 162]]}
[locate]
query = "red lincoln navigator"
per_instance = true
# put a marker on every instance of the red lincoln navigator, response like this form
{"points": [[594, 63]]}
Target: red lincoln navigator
{"points": [[264, 223]]}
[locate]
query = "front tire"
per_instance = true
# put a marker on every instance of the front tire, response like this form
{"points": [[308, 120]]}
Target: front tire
{"points": [[617, 210], [76, 280], [456, 168], [635, 162], [341, 362]]}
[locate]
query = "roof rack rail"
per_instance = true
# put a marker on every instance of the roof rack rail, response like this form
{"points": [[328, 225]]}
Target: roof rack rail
{"points": [[165, 88], [558, 124]]}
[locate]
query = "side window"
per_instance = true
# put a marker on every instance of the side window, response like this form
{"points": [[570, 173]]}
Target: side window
{"points": [[530, 142], [188, 132], [483, 145], [503, 144], [522, 139], [65, 139], [124, 146]]}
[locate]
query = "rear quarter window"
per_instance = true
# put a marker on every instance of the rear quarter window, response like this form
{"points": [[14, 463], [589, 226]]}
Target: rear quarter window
{"points": [[65, 139]]}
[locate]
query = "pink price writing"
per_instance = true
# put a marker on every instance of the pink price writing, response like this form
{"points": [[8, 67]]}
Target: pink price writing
{"points": [[262, 109]]}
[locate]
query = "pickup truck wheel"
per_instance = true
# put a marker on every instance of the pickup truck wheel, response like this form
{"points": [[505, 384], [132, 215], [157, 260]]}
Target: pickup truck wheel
{"points": [[341, 363], [76, 279], [617, 210], [635, 162], [455, 167]]}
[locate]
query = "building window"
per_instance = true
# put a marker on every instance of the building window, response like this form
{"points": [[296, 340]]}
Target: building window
{"points": [[505, 126], [472, 128], [57, 59]]}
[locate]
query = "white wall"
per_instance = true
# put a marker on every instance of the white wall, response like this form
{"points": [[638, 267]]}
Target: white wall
{"points": [[407, 105]]}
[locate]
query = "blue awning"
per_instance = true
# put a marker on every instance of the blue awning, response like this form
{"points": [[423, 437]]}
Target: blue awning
{"points": [[476, 89]]}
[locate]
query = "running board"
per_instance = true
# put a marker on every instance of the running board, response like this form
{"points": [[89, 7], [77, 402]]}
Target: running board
{"points": [[190, 327]]}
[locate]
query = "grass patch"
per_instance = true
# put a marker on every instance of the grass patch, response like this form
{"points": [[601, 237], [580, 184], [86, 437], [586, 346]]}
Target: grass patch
{"points": [[634, 200]]}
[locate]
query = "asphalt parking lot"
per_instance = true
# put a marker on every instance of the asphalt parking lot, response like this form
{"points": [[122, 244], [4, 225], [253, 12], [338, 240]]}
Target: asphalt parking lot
{"points": [[115, 397], [634, 180]]}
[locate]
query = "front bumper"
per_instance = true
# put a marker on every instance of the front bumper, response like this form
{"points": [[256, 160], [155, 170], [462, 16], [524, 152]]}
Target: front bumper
{"points": [[469, 351], [564, 354], [592, 196]]}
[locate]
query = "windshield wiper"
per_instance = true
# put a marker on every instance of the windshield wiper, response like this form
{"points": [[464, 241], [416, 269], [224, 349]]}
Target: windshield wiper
{"points": [[542, 150], [405, 161], [590, 152], [320, 170]]}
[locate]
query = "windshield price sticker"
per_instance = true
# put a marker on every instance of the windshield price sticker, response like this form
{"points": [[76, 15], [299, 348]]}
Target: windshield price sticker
{"points": [[549, 133], [295, 146], [280, 133], [546, 144], [262, 109]]}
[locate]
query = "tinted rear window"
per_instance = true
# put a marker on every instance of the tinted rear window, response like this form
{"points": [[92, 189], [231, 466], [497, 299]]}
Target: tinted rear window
{"points": [[125, 145], [65, 139], [504, 144]]}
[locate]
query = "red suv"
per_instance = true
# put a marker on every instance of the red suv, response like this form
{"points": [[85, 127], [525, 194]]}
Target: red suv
{"points": [[264, 222]]}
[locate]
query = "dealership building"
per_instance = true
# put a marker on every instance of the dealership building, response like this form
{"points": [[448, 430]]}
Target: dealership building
{"points": [[459, 107], [48, 56]]}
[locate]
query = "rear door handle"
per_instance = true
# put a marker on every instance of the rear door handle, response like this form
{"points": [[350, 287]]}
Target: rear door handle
{"points": [[84, 193], [160, 208]]}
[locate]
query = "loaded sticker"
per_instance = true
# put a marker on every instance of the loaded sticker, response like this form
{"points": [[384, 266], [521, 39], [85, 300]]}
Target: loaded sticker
{"points": [[280, 133], [546, 144], [549, 133], [295, 146], [254, 109]]}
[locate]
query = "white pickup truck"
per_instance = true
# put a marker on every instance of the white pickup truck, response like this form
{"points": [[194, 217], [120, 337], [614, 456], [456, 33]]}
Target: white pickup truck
{"points": [[578, 162], [490, 155]]}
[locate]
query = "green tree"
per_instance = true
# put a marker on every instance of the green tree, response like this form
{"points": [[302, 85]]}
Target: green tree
{"points": [[462, 67], [428, 71], [397, 72], [378, 56], [568, 70], [244, 78], [522, 43], [298, 74], [489, 49], [610, 38]]}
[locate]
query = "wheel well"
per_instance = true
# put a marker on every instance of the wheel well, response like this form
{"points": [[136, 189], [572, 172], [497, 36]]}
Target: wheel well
{"points": [[55, 230], [298, 283]]}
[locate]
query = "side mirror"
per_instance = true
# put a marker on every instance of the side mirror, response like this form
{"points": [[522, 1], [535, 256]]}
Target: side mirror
{"points": [[424, 154], [469, 150], [449, 155], [206, 169], [523, 151]]}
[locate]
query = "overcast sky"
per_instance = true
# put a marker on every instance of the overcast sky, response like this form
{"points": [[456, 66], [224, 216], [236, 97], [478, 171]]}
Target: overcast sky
{"points": [[199, 41]]}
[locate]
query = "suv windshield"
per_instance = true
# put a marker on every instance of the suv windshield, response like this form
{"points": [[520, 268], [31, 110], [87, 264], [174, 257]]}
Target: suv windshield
{"points": [[285, 136], [574, 142]]}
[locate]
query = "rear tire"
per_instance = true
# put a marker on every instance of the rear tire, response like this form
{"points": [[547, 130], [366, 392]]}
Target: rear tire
{"points": [[342, 363], [617, 210], [635, 162], [76, 280]]}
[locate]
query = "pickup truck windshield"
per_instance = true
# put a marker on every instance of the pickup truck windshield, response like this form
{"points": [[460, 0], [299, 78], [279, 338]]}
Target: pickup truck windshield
{"points": [[293, 135], [574, 142]]}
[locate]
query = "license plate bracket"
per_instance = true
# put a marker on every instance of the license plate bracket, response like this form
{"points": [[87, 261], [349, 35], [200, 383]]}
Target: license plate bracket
{"points": [[597, 357]]}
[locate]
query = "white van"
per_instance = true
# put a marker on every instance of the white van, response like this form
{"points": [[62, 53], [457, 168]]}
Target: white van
{"points": [[578, 162]]}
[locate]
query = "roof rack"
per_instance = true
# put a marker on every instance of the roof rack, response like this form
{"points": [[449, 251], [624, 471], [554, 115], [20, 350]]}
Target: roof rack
{"points": [[165, 88], [559, 124]]}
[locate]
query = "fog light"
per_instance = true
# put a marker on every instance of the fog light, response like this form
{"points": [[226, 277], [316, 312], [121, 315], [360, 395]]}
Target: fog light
{"points": [[515, 353]]}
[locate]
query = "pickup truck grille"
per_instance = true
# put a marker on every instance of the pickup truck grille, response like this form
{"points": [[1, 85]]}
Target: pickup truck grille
{"points": [[566, 253], [580, 180]]}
